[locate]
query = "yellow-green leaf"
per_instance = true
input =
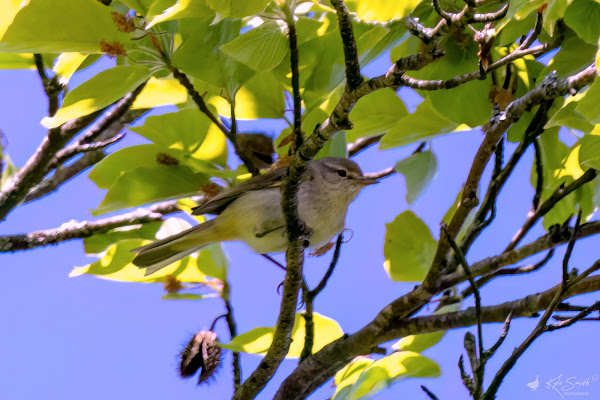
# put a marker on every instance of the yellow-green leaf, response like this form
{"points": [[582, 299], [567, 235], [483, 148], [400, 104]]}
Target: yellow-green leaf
{"points": [[100, 91], [181, 9], [347, 376], [419, 170], [258, 340], [388, 370], [408, 248], [376, 113], [425, 122], [261, 48], [384, 10], [58, 26]]}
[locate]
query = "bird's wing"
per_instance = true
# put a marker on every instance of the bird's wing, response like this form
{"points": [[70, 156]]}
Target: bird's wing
{"points": [[217, 204]]}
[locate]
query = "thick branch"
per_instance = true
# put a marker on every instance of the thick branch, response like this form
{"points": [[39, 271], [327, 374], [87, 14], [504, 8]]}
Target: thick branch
{"points": [[353, 76], [80, 230], [297, 239], [310, 374]]}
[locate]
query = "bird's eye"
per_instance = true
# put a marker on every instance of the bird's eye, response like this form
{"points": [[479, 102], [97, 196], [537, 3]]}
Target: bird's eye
{"points": [[341, 172]]}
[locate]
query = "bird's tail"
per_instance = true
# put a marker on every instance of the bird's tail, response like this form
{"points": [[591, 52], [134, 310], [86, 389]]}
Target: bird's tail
{"points": [[161, 253]]}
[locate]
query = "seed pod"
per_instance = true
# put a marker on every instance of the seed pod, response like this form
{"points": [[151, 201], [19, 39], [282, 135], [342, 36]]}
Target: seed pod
{"points": [[202, 352]]}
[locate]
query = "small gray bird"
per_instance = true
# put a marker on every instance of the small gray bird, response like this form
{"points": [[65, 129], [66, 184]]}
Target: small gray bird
{"points": [[251, 213]]}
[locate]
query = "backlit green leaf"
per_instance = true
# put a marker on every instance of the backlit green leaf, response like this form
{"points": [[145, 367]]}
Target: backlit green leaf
{"points": [[115, 261], [408, 249], [383, 10], [61, 27], [145, 185], [418, 170], [376, 113], [347, 376], [258, 340], [261, 48], [583, 16], [160, 92], [16, 61], [388, 370], [181, 9], [425, 123], [100, 91]]}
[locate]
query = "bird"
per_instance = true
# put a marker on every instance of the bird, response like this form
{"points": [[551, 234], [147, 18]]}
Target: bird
{"points": [[251, 213], [534, 385]]}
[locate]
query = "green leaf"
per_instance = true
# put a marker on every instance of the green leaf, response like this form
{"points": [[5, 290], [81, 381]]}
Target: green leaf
{"points": [[425, 122], [213, 262], [261, 48], [258, 340], [419, 169], [459, 59], [388, 370], [145, 185], [376, 113], [191, 132], [583, 16], [181, 9], [160, 92], [10, 8], [419, 343], [244, 8], [184, 296], [409, 248], [98, 243], [574, 55], [61, 27], [589, 152], [588, 105], [115, 261], [140, 6], [202, 41], [347, 376], [100, 91], [16, 61], [260, 97], [567, 115], [67, 64], [383, 10]]}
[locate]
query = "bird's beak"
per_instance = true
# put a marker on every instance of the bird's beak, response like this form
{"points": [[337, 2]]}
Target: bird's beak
{"points": [[366, 181]]}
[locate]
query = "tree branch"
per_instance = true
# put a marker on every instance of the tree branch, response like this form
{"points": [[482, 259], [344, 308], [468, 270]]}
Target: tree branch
{"points": [[37, 166], [51, 85], [309, 298], [297, 238], [237, 369], [309, 375], [353, 76], [80, 230], [560, 193]]}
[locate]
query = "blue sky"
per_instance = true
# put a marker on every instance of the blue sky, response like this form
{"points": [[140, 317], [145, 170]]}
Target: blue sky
{"points": [[68, 338]]}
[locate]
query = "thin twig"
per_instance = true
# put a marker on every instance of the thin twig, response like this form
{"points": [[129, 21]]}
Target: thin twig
{"points": [[560, 193], [309, 298], [477, 365], [51, 85], [508, 271], [237, 369], [199, 100]]}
